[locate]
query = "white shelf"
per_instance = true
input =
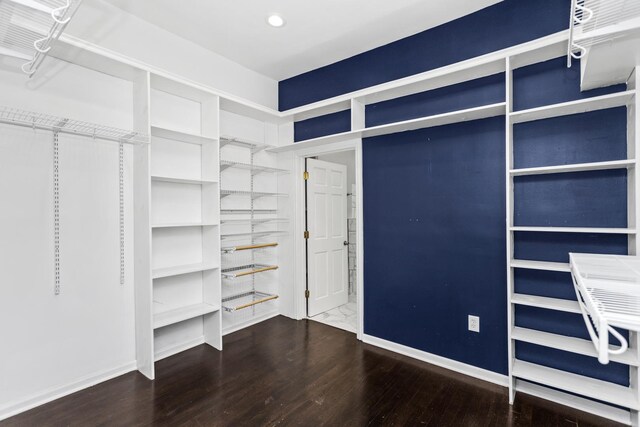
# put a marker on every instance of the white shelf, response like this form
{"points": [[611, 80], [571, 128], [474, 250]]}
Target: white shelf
{"points": [[459, 116], [175, 135], [545, 302], [255, 169], [574, 107], [181, 314], [157, 178], [565, 343], [576, 230], [579, 167], [540, 265], [182, 269], [253, 234], [252, 194], [584, 386], [244, 143], [188, 224]]}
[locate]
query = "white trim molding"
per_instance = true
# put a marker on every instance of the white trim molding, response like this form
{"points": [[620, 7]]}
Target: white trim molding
{"points": [[53, 393], [440, 361]]}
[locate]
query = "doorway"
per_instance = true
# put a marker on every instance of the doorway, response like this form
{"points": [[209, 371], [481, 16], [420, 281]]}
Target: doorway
{"points": [[331, 244]]}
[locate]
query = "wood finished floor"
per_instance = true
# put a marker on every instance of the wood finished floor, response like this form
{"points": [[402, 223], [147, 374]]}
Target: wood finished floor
{"points": [[299, 373]]}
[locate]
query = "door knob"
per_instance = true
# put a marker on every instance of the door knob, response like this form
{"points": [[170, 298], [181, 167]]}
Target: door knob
{"points": [[345, 243]]}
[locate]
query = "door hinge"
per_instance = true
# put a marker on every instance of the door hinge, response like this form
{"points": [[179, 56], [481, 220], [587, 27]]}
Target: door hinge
{"points": [[305, 175], [306, 293], [306, 234]]}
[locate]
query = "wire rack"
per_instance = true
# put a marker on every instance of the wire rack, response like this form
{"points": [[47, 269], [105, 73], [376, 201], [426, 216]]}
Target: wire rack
{"points": [[43, 121], [246, 270], [252, 194], [608, 291], [29, 28], [244, 143], [594, 22], [245, 300], [255, 169]]}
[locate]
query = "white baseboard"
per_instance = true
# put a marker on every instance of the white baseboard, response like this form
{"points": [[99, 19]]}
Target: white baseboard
{"points": [[580, 403], [251, 322], [443, 362], [178, 348], [53, 393]]}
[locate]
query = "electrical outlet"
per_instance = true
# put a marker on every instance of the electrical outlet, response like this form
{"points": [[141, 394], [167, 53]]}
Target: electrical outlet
{"points": [[474, 323]]}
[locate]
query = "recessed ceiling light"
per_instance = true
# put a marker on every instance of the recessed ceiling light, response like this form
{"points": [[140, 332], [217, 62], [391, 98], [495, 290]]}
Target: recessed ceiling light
{"points": [[275, 20]]}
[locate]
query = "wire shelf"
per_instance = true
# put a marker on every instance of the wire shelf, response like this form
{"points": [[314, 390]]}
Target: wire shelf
{"points": [[246, 270], [255, 169], [29, 28], [43, 121], [594, 22], [254, 234], [253, 221], [232, 249], [238, 142], [245, 300], [248, 211], [252, 194]]}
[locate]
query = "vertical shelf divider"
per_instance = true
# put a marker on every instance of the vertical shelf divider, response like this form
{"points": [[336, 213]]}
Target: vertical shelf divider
{"points": [[143, 283]]}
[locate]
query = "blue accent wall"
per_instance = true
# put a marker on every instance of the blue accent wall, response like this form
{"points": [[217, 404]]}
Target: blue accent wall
{"points": [[502, 25], [328, 124], [474, 93], [434, 240], [434, 199]]}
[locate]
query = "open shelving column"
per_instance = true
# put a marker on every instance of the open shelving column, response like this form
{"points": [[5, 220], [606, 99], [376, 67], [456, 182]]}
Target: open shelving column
{"points": [[182, 291], [250, 222], [543, 381]]}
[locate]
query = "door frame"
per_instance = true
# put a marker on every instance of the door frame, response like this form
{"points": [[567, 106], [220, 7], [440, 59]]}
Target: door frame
{"points": [[299, 242]]}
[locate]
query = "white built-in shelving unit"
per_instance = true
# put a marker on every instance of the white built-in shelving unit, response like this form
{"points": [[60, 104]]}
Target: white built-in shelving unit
{"points": [[204, 141], [178, 296], [250, 222], [570, 388]]}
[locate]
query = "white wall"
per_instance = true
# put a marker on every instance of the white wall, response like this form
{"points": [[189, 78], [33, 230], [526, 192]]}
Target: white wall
{"points": [[54, 344], [103, 24]]}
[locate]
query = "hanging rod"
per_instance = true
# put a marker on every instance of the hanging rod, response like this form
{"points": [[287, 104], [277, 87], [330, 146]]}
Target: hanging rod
{"points": [[29, 28], [247, 270], [232, 249], [246, 300], [14, 116]]}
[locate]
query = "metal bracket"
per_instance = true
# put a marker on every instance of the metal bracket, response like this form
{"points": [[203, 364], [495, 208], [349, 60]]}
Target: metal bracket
{"points": [[56, 215], [121, 200]]}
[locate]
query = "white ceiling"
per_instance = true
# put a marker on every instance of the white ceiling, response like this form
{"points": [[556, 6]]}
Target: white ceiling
{"points": [[317, 32]]}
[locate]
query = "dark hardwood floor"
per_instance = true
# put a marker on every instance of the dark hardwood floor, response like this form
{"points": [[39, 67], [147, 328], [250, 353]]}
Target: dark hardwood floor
{"points": [[282, 372]]}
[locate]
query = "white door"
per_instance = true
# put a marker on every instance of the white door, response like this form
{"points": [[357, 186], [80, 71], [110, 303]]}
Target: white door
{"points": [[326, 246]]}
